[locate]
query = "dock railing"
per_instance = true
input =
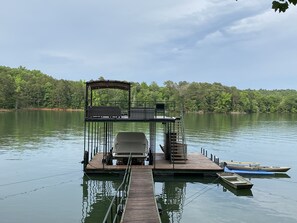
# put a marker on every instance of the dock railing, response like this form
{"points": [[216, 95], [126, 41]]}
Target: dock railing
{"points": [[213, 158], [118, 202], [122, 108]]}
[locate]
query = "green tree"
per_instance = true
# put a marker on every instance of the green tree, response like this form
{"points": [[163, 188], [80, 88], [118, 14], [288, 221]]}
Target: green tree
{"points": [[289, 104], [7, 91], [48, 95], [77, 94], [224, 103], [62, 95]]}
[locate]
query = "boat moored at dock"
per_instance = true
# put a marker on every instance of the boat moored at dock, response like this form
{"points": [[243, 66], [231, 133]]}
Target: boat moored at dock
{"points": [[248, 172], [134, 143], [241, 163], [234, 180], [258, 168]]}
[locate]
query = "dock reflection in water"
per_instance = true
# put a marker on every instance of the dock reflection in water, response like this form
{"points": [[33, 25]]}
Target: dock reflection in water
{"points": [[171, 194], [98, 192], [172, 201]]}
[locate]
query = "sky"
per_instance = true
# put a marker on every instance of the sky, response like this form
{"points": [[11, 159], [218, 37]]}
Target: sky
{"points": [[237, 43]]}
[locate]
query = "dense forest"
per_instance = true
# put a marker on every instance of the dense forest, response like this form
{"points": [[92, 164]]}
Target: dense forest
{"points": [[23, 88]]}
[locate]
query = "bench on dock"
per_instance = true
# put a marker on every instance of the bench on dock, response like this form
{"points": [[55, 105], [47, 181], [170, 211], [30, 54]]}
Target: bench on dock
{"points": [[101, 111]]}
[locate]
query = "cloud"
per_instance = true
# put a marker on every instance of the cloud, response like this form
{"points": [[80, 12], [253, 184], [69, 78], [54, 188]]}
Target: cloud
{"points": [[207, 40]]}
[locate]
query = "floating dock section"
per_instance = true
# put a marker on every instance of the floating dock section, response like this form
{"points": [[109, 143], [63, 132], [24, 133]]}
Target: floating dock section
{"points": [[196, 164]]}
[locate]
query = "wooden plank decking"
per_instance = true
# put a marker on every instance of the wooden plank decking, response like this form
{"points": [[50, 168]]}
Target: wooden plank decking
{"points": [[196, 163], [141, 204]]}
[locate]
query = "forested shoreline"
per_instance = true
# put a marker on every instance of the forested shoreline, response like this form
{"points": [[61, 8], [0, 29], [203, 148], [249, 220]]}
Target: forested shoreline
{"points": [[23, 88]]}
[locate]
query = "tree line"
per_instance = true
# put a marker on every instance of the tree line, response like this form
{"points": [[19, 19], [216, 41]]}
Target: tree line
{"points": [[23, 88]]}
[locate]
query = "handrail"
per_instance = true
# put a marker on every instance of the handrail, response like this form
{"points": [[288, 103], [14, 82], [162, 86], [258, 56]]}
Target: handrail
{"points": [[169, 106], [116, 207]]}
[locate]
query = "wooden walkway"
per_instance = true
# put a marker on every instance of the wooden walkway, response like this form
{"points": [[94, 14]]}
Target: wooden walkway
{"points": [[141, 204]]}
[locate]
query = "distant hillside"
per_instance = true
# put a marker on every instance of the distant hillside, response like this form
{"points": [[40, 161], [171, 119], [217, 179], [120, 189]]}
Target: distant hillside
{"points": [[23, 88]]}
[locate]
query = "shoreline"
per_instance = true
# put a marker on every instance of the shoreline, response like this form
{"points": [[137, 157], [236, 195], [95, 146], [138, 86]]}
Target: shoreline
{"points": [[81, 110], [53, 109], [42, 109], [5, 110]]}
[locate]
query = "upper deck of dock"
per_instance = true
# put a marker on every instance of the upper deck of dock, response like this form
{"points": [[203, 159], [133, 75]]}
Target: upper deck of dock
{"points": [[111, 108]]}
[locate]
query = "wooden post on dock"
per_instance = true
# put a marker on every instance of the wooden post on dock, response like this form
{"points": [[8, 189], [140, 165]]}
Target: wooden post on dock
{"points": [[216, 160]]}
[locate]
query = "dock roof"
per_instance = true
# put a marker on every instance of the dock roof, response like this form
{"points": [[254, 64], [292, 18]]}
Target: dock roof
{"points": [[98, 84]]}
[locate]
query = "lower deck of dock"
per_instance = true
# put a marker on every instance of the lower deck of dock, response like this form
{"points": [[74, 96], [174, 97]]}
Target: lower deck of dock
{"points": [[141, 203], [195, 164]]}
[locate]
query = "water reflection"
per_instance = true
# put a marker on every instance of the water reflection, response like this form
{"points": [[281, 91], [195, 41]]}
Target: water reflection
{"points": [[214, 129], [273, 176], [171, 194], [53, 141], [172, 198], [239, 193], [20, 127], [98, 192]]}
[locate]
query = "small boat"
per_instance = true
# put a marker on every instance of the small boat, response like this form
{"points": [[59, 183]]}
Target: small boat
{"points": [[258, 168], [231, 162], [248, 172], [234, 180]]}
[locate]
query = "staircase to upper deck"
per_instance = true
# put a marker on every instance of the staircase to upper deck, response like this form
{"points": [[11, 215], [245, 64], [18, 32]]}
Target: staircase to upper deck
{"points": [[176, 146]]}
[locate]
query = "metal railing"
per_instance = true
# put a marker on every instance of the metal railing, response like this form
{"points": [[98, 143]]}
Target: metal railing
{"points": [[117, 205], [169, 107]]}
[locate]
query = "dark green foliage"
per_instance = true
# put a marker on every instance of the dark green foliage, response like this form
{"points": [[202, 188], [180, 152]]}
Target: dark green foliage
{"points": [[22, 88], [7, 93], [282, 5]]}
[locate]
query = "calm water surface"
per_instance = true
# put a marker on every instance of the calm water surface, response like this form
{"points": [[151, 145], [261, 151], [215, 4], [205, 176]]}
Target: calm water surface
{"points": [[41, 178]]}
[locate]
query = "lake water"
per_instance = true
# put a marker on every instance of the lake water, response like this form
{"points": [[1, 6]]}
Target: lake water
{"points": [[41, 177]]}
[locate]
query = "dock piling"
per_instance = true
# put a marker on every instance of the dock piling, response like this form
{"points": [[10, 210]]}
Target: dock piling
{"points": [[212, 157]]}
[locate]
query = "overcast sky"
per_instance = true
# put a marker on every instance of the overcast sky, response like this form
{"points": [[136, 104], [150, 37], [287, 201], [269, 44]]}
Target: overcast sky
{"points": [[237, 43]]}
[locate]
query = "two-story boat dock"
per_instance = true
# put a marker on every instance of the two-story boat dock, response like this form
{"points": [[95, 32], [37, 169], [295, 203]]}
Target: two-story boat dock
{"points": [[102, 114], [109, 103]]}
